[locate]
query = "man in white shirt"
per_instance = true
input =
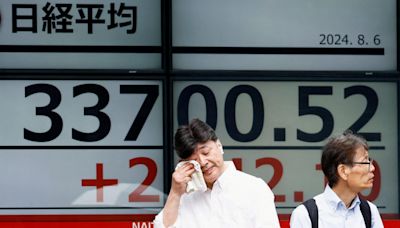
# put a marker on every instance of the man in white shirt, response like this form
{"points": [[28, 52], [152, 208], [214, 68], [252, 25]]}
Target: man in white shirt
{"points": [[347, 166], [233, 198]]}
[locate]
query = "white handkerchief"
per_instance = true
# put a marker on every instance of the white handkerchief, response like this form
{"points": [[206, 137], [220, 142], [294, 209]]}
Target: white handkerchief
{"points": [[197, 183]]}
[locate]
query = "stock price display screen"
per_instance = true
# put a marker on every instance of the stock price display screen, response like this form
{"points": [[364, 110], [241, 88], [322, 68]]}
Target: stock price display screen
{"points": [[309, 35], [89, 146], [276, 130]]}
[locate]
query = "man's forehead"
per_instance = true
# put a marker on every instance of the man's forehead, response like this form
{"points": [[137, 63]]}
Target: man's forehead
{"points": [[199, 148], [202, 146], [361, 152]]}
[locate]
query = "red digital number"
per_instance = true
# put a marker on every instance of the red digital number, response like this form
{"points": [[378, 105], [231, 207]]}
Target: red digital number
{"points": [[276, 177], [277, 174], [136, 195], [276, 165], [376, 188]]}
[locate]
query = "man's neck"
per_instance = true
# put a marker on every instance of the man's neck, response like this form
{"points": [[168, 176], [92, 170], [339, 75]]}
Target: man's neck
{"points": [[345, 194], [224, 168]]}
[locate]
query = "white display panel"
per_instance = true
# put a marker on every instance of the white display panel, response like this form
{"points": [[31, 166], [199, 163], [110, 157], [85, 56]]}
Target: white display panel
{"points": [[81, 146], [276, 130], [70, 34], [285, 35]]}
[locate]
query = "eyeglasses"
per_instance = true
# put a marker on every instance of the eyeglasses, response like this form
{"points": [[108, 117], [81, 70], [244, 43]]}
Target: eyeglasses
{"points": [[369, 162]]}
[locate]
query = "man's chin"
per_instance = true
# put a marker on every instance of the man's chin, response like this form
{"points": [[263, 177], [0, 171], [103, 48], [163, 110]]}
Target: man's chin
{"points": [[208, 172], [367, 186], [209, 179]]}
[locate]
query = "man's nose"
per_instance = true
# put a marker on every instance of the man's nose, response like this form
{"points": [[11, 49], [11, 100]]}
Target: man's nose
{"points": [[202, 161], [372, 168]]}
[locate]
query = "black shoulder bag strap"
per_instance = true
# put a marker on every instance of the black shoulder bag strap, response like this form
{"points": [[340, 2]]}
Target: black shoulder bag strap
{"points": [[312, 212], [366, 212]]}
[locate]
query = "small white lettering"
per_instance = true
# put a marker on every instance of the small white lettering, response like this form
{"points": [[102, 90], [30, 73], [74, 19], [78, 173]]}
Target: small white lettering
{"points": [[142, 225]]}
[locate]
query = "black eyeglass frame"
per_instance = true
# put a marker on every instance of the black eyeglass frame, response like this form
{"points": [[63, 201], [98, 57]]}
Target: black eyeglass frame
{"points": [[366, 163]]}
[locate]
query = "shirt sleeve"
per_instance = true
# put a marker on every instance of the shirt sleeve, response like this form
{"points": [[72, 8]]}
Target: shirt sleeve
{"points": [[158, 222], [300, 218], [376, 220], [266, 215]]}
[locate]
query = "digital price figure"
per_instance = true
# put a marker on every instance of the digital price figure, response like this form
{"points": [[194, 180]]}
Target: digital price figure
{"points": [[137, 194], [276, 130], [88, 145], [298, 195]]}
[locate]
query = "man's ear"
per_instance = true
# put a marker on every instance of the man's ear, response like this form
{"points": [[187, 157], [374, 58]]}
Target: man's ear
{"points": [[343, 171], [219, 145]]}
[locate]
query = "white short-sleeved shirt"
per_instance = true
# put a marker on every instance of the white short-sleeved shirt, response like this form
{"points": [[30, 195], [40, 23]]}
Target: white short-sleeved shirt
{"points": [[237, 200], [332, 212]]}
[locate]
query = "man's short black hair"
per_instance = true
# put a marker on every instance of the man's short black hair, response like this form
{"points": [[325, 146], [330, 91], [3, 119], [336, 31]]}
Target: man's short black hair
{"points": [[340, 149], [188, 136]]}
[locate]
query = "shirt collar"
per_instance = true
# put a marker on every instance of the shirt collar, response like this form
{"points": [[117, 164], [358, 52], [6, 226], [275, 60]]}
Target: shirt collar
{"points": [[226, 175], [335, 202]]}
